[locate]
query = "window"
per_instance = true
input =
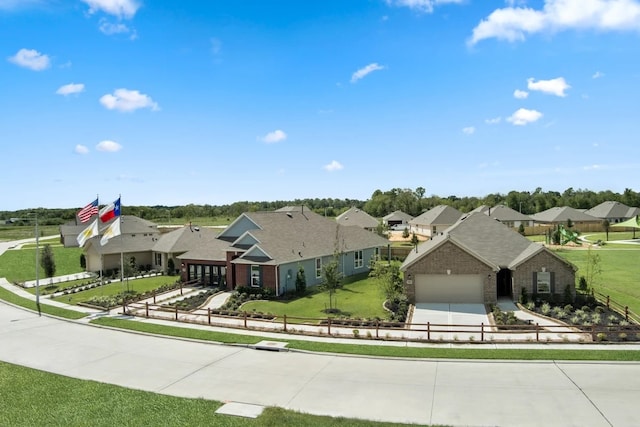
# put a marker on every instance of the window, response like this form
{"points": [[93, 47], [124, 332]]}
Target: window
{"points": [[357, 260], [255, 276], [318, 268], [159, 259], [543, 282]]}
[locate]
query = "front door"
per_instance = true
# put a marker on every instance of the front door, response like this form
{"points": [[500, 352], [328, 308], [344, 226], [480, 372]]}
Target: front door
{"points": [[504, 283]]}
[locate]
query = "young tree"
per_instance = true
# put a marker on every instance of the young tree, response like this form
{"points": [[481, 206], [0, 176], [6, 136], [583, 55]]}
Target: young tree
{"points": [[331, 280], [47, 261], [593, 268], [301, 281], [405, 233], [606, 225]]}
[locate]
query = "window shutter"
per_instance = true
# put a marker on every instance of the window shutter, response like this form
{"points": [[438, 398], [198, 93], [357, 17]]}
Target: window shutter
{"points": [[553, 282], [534, 282]]}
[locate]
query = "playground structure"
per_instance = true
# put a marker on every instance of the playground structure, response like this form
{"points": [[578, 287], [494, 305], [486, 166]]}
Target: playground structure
{"points": [[567, 236]]}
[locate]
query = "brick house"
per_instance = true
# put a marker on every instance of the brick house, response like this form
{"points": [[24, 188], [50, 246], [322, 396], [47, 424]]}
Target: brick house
{"points": [[266, 249], [478, 260]]}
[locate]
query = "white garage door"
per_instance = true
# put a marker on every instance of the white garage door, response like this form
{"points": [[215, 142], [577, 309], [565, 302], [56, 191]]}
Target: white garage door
{"points": [[456, 288]]}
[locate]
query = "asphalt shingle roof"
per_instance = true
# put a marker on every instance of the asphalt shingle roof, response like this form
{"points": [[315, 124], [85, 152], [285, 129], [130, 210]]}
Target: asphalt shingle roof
{"points": [[358, 217], [502, 213], [439, 215], [562, 214], [484, 237], [612, 210]]}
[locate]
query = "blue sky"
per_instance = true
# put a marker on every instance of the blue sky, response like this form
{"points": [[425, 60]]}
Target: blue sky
{"points": [[212, 102]]}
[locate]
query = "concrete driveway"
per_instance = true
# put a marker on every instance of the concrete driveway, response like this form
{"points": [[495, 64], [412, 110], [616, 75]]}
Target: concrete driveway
{"points": [[449, 315]]}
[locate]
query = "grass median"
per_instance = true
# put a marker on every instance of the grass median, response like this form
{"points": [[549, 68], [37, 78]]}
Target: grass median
{"points": [[12, 298], [485, 353], [28, 400]]}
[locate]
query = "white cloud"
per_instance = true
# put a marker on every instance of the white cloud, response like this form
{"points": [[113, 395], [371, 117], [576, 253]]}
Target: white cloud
{"points": [[520, 94], [70, 89], [524, 116], [81, 149], [216, 45], [32, 59], [493, 121], [273, 137], [108, 146], [128, 100], [555, 86], [425, 6], [469, 130], [597, 75], [118, 8], [364, 71], [333, 166], [516, 23], [110, 28]]}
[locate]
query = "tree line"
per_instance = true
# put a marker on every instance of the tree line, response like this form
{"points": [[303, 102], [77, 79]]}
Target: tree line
{"points": [[411, 201]]}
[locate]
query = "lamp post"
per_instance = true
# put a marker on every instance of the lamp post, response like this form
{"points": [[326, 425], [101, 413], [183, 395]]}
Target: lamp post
{"points": [[37, 265]]}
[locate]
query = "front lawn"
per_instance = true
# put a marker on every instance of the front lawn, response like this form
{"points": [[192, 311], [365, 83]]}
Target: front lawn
{"points": [[19, 265], [359, 299], [117, 287]]}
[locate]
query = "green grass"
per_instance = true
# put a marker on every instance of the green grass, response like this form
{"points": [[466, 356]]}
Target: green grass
{"points": [[31, 305], [378, 350], [115, 287], [20, 265], [20, 232], [28, 399], [362, 299], [620, 273]]}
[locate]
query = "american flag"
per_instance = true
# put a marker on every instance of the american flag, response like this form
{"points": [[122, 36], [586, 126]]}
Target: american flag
{"points": [[88, 211]]}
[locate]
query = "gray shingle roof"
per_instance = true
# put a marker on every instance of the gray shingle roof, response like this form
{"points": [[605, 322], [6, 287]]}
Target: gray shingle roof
{"points": [[356, 216], [287, 236], [439, 215], [562, 214], [502, 213], [487, 239], [612, 210], [184, 239], [397, 216]]}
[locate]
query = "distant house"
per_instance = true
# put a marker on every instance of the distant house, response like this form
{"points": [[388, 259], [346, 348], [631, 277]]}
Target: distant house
{"points": [[396, 219], [506, 215], [358, 217], [266, 249], [435, 220], [479, 260], [137, 240], [614, 212], [562, 215]]}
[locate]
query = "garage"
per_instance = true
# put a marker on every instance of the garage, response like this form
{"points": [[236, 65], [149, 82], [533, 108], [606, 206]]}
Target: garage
{"points": [[455, 288]]}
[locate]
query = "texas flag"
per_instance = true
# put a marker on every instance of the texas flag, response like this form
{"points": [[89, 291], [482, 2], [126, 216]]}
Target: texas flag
{"points": [[110, 211]]}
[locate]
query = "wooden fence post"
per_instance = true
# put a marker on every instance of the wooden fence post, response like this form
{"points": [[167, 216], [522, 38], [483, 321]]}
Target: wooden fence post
{"points": [[537, 332], [154, 296], [180, 288], [377, 328], [593, 332], [428, 331], [245, 320], [607, 301], [124, 305], [626, 313], [146, 309], [482, 332], [176, 312], [285, 323], [328, 325], [209, 316]]}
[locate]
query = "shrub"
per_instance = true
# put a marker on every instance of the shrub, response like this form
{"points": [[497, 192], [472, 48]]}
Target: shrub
{"points": [[601, 336], [524, 298], [356, 333], [567, 296], [622, 336], [545, 309]]}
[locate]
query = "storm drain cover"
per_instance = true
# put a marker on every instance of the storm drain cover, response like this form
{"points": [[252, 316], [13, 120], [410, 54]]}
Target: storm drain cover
{"points": [[238, 409], [271, 345]]}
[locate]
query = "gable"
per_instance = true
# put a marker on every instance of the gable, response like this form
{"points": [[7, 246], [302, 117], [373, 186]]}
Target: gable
{"points": [[238, 227]]}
